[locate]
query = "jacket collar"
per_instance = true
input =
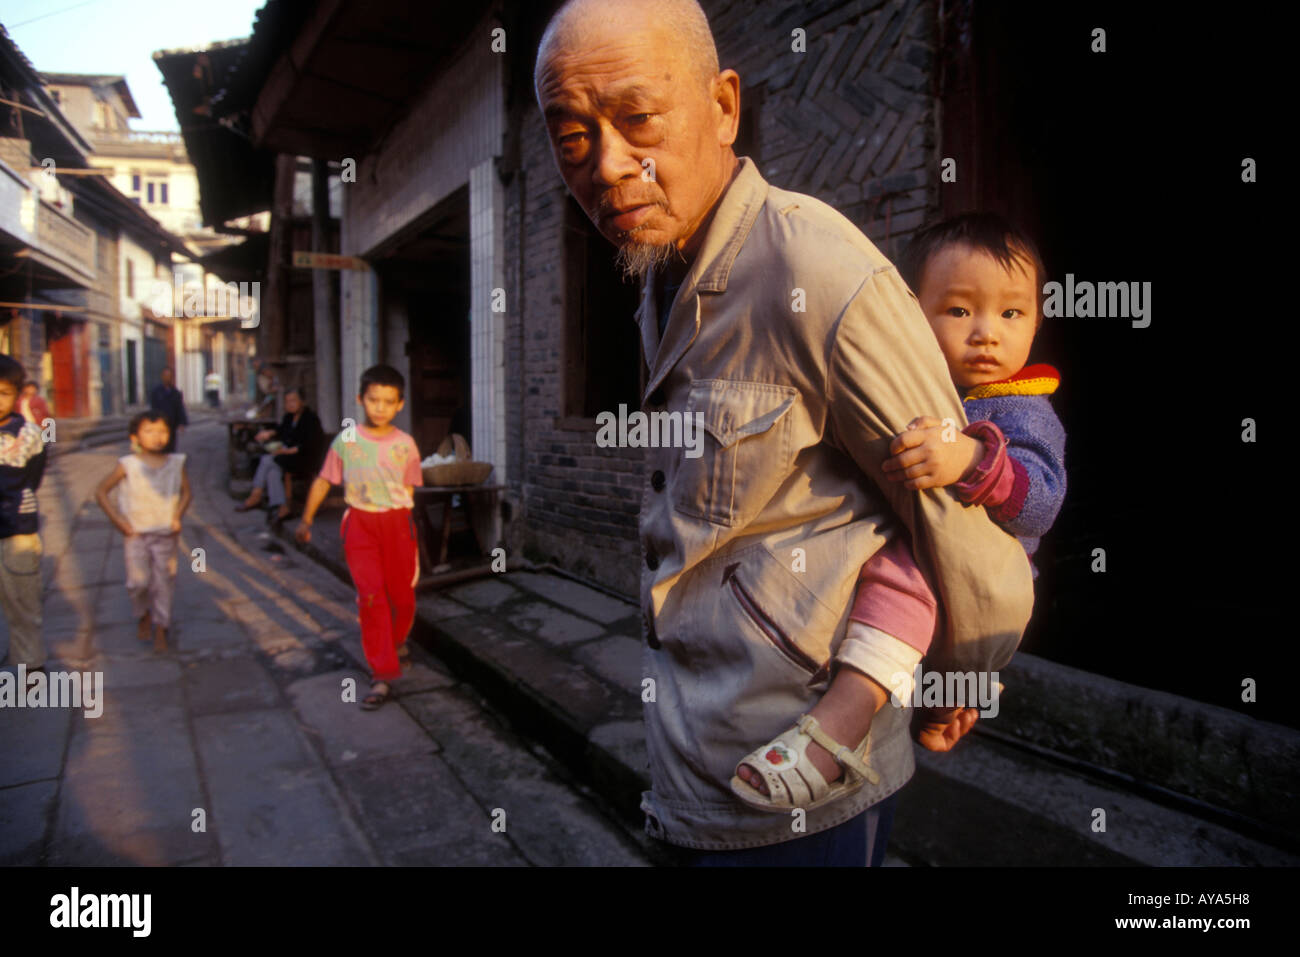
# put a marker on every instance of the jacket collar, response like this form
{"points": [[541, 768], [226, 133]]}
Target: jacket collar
{"points": [[736, 212], [1038, 379]]}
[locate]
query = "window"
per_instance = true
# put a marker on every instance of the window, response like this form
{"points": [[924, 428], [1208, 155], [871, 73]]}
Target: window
{"points": [[130, 279], [155, 190], [602, 341], [135, 182]]}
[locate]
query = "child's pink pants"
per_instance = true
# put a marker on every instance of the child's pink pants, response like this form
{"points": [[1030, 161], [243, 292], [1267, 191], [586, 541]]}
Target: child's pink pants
{"points": [[382, 556]]}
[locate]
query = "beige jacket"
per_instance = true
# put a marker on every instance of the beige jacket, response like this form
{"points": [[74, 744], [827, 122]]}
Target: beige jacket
{"points": [[752, 548]]}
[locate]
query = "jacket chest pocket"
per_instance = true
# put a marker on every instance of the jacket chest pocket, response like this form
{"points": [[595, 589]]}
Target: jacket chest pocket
{"points": [[742, 450]]}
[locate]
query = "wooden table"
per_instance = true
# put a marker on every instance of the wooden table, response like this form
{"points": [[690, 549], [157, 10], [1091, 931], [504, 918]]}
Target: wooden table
{"points": [[481, 502]]}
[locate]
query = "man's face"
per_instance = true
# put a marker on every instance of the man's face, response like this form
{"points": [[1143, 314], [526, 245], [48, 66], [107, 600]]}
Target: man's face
{"points": [[292, 403], [636, 135], [983, 315], [167, 377]]}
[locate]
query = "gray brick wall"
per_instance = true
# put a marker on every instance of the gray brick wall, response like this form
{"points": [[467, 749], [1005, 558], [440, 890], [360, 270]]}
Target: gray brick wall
{"points": [[850, 121]]}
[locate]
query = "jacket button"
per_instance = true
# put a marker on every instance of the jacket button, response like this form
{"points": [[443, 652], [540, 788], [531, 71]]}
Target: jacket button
{"points": [[657, 397], [651, 561], [657, 481]]}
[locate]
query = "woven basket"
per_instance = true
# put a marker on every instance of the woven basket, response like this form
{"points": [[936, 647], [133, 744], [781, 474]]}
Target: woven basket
{"points": [[464, 471]]}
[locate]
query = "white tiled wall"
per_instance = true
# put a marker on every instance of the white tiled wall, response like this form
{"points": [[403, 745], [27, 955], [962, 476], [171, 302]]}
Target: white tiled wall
{"points": [[447, 139], [487, 332]]}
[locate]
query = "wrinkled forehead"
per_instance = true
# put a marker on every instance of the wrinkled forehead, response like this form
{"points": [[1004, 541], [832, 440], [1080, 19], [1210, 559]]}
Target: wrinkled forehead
{"points": [[599, 67]]}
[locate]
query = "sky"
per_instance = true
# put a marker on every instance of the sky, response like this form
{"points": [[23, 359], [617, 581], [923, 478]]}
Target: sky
{"points": [[119, 37]]}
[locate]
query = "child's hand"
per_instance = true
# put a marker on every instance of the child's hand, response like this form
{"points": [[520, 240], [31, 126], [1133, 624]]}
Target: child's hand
{"points": [[940, 730], [921, 458], [303, 532]]}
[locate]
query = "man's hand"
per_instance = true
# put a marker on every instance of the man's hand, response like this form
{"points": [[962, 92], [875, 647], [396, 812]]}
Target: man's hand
{"points": [[126, 529], [941, 729], [303, 533], [930, 454], [176, 524]]}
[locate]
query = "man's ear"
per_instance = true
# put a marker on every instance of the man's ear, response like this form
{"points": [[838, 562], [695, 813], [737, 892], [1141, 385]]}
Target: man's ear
{"points": [[726, 97]]}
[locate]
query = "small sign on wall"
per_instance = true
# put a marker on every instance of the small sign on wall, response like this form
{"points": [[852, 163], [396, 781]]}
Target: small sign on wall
{"points": [[308, 260]]}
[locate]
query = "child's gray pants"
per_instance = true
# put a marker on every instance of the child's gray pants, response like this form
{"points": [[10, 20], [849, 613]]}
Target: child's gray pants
{"points": [[151, 574]]}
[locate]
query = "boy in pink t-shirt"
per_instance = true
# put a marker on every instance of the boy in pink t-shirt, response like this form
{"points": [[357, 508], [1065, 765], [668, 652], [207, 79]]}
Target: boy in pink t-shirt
{"points": [[378, 465]]}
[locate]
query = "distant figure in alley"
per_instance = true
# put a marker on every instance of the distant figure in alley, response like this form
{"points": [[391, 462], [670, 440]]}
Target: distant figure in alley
{"points": [[170, 401]]}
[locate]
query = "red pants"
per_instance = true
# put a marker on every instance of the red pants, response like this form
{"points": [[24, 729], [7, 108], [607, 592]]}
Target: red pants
{"points": [[382, 556]]}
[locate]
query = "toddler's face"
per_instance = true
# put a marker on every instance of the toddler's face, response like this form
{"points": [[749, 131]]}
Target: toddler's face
{"points": [[983, 316], [8, 396]]}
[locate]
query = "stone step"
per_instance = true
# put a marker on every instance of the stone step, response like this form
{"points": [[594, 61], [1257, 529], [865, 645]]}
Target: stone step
{"points": [[992, 803]]}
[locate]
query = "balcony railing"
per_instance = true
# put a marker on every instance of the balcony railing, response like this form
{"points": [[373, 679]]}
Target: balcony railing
{"points": [[165, 137], [64, 238]]}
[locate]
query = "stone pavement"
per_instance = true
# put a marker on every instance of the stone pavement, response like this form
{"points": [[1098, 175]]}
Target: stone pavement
{"points": [[563, 660], [245, 722], [237, 747]]}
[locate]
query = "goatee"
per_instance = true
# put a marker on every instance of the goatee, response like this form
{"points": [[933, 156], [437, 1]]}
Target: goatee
{"points": [[637, 259]]}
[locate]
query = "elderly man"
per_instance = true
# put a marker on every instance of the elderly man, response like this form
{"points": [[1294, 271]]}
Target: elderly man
{"points": [[775, 322]]}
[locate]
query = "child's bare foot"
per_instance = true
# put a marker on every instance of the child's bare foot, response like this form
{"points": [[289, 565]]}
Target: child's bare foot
{"points": [[144, 628], [159, 639], [845, 713]]}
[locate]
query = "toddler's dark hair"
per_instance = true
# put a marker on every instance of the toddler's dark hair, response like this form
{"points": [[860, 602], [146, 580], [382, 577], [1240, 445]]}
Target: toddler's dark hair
{"points": [[11, 371], [149, 415], [987, 232], [383, 375]]}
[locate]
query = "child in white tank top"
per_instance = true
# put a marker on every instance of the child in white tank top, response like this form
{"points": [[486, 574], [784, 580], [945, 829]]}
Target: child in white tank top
{"points": [[153, 494]]}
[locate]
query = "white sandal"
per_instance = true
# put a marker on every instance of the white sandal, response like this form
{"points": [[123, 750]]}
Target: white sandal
{"points": [[792, 779]]}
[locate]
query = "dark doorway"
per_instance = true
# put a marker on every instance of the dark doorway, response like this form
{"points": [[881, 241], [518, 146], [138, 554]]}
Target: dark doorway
{"points": [[425, 277], [132, 377], [1126, 167]]}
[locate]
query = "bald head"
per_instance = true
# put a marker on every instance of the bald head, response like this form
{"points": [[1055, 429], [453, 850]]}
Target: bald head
{"points": [[680, 23], [641, 121]]}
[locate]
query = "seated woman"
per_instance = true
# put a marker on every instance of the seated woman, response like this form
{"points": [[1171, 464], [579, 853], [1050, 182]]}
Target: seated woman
{"points": [[302, 438]]}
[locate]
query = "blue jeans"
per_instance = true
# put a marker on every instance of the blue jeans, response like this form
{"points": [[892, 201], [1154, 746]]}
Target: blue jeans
{"points": [[858, 842], [270, 477]]}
